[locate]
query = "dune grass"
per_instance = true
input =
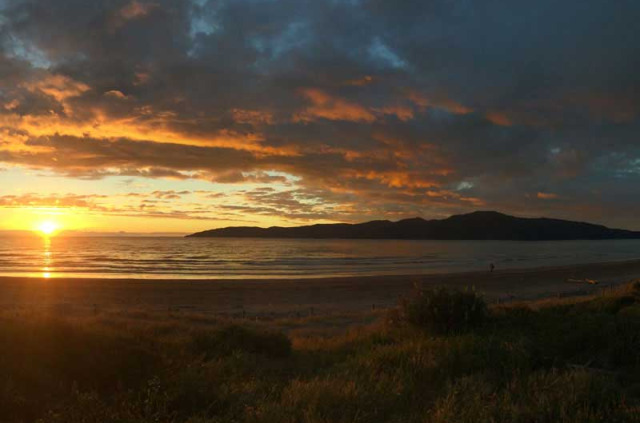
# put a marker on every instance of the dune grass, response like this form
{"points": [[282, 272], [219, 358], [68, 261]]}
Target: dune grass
{"points": [[552, 361]]}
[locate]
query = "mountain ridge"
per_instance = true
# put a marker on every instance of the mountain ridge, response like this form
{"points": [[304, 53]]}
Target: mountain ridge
{"points": [[477, 225]]}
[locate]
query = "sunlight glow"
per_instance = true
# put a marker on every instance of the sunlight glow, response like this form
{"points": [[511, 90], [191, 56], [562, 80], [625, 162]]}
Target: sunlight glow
{"points": [[48, 228]]}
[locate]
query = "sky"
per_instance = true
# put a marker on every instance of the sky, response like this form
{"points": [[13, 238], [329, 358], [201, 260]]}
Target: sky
{"points": [[179, 116]]}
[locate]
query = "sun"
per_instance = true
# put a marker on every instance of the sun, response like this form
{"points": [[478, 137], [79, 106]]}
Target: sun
{"points": [[48, 227]]}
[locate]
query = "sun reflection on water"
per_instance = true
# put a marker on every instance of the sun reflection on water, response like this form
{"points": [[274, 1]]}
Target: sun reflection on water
{"points": [[47, 259]]}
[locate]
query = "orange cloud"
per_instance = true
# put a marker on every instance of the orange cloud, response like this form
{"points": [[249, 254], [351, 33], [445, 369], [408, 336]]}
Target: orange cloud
{"points": [[404, 113], [135, 10], [116, 94], [57, 86], [11, 105], [360, 82], [144, 125], [141, 78], [333, 108], [394, 179], [325, 106], [499, 118], [51, 201], [447, 104], [253, 117], [546, 196]]}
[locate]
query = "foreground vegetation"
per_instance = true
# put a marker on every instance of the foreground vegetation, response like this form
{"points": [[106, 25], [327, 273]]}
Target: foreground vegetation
{"points": [[440, 357]]}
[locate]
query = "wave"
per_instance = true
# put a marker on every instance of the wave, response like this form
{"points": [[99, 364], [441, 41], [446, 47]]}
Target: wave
{"points": [[229, 258]]}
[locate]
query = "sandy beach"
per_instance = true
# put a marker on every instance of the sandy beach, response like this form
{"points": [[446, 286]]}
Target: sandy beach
{"points": [[337, 294]]}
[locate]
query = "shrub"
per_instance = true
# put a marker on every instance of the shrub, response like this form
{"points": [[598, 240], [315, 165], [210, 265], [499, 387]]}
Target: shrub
{"points": [[233, 338], [443, 311]]}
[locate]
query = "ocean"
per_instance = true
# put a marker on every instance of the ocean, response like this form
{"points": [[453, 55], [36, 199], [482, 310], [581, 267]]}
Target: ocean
{"points": [[231, 258]]}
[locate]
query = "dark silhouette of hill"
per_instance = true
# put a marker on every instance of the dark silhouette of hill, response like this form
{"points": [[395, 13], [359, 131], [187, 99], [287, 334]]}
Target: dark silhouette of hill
{"points": [[480, 225]]}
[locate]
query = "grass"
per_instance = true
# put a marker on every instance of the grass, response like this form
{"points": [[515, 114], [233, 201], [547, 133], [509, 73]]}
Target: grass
{"points": [[550, 361], [442, 311]]}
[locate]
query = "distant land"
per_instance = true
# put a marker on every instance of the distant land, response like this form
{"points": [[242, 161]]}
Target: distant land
{"points": [[479, 225]]}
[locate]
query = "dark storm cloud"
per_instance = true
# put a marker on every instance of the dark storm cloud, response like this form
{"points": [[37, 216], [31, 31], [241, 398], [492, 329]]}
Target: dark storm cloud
{"points": [[412, 107]]}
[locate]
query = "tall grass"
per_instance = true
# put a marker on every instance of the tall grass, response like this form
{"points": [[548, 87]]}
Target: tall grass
{"points": [[561, 361], [442, 311]]}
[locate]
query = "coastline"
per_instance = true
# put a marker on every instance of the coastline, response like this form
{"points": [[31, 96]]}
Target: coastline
{"points": [[274, 296]]}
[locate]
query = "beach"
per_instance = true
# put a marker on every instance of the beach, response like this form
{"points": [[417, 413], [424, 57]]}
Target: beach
{"points": [[307, 296]]}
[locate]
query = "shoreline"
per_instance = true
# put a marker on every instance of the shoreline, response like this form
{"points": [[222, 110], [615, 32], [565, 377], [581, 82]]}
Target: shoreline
{"points": [[333, 294], [318, 278]]}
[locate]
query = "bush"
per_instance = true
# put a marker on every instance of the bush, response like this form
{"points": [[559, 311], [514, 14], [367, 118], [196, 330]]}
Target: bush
{"points": [[234, 338], [443, 311]]}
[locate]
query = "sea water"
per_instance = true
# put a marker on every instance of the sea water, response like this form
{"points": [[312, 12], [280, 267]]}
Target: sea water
{"points": [[238, 258]]}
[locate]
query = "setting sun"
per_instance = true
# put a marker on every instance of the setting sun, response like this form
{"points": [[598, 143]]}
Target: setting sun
{"points": [[48, 228]]}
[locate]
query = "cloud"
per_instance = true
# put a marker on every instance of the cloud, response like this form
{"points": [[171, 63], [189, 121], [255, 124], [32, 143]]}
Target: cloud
{"points": [[49, 201], [116, 94], [259, 177], [59, 87], [547, 196], [378, 108], [170, 194], [325, 106], [95, 158], [135, 10]]}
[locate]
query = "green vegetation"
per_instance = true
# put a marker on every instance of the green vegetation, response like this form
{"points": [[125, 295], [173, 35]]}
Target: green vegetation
{"points": [[551, 361], [441, 311]]}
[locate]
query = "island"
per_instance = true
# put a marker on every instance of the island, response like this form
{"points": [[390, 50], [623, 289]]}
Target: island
{"points": [[479, 225]]}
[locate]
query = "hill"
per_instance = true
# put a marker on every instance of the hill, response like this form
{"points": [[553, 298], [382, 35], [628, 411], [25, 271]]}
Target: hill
{"points": [[480, 225]]}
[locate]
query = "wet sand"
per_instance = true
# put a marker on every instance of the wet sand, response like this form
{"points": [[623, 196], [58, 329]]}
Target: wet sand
{"points": [[337, 294]]}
